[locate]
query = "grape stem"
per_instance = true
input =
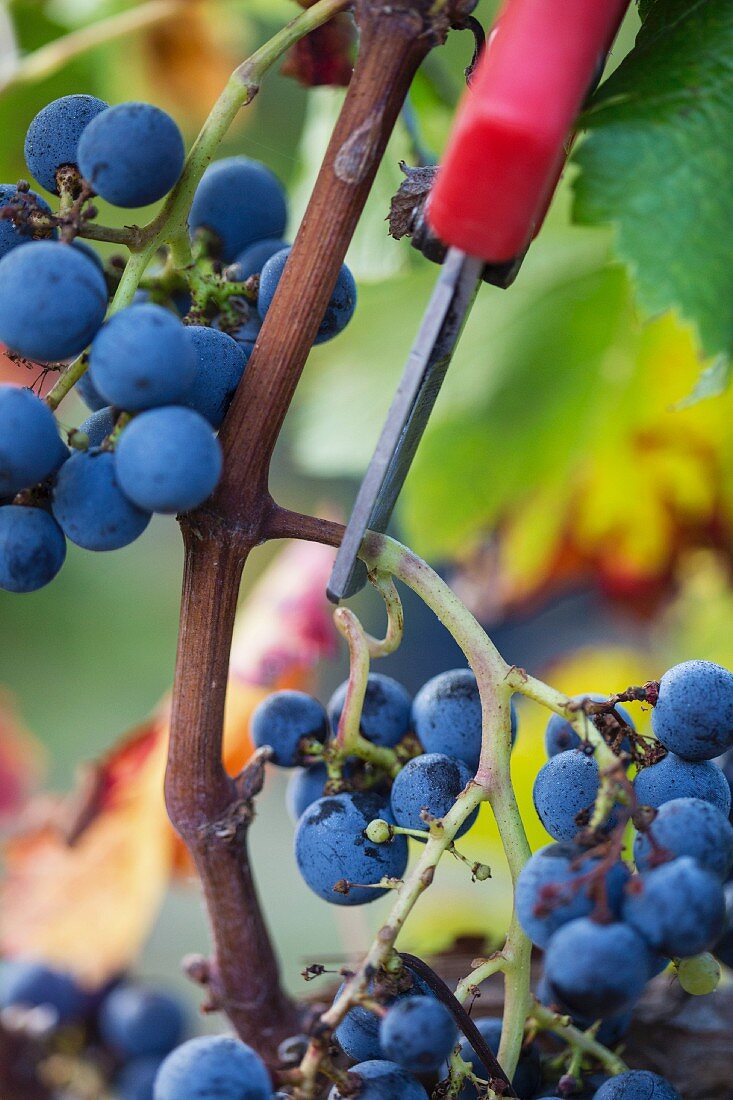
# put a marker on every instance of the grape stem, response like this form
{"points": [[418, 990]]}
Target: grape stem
{"points": [[581, 1042]]}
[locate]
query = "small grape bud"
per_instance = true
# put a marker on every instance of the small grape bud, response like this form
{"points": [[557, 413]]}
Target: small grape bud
{"points": [[481, 872], [379, 831]]}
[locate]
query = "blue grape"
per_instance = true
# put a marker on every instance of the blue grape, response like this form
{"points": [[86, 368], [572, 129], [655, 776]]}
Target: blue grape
{"points": [[53, 136], [385, 715], [239, 201], [678, 908], [213, 1066], [331, 845], [90, 507], [168, 460], [247, 333], [255, 256], [32, 548], [672, 777], [220, 363], [142, 358], [137, 1022], [566, 786], [99, 425], [446, 716], [28, 984], [723, 949], [528, 1072], [30, 445], [136, 1079], [89, 394], [341, 304], [687, 827], [132, 154], [431, 782], [358, 1032], [89, 252], [14, 233], [549, 891], [693, 716], [304, 788], [418, 1033], [382, 1080], [638, 1084], [726, 765], [283, 720], [597, 969], [612, 1028], [560, 735], [62, 304]]}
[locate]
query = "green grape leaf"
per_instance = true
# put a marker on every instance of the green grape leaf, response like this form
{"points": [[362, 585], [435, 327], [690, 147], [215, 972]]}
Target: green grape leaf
{"points": [[657, 164]]}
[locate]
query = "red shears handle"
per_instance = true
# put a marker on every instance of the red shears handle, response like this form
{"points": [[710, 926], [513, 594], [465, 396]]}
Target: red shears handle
{"points": [[514, 123]]}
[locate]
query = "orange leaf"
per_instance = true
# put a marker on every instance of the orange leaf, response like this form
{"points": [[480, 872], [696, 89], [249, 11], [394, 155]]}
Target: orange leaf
{"points": [[19, 761]]}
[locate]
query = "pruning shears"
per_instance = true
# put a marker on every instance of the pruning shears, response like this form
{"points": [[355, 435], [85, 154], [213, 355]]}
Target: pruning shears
{"points": [[506, 154]]}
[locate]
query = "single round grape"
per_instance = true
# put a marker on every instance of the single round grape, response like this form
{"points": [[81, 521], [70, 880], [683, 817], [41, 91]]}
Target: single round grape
{"points": [[726, 766], [61, 306], [135, 1022], [31, 448], [382, 1080], [551, 891], [358, 1032], [255, 256], [672, 777], [385, 714], [699, 974], [687, 827], [560, 735], [142, 358], [168, 460], [89, 394], [28, 984], [418, 1033], [693, 716], [446, 716], [90, 507], [13, 233], [432, 782], [678, 908], [220, 363], [283, 720], [213, 1066], [330, 846], [132, 154], [528, 1072], [639, 1084], [566, 786], [341, 304], [53, 136], [32, 548], [99, 425], [597, 969], [239, 201], [136, 1079]]}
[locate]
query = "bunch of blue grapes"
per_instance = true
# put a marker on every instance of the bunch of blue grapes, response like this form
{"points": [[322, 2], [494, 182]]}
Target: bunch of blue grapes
{"points": [[124, 1031], [160, 372]]}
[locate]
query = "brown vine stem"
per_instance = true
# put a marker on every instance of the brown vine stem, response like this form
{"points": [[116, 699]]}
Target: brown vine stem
{"points": [[395, 37]]}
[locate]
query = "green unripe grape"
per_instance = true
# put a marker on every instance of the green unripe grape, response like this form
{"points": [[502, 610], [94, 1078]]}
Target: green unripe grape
{"points": [[699, 974], [379, 831]]}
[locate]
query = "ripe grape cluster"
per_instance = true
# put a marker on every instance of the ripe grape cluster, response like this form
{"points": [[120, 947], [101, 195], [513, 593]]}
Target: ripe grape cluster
{"points": [[161, 370], [128, 1028], [606, 925]]}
